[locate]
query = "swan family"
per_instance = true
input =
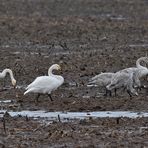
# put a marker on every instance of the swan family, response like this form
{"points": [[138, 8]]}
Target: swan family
{"points": [[128, 79]]}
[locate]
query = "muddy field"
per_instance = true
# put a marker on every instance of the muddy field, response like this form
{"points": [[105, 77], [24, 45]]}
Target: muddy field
{"points": [[85, 37]]}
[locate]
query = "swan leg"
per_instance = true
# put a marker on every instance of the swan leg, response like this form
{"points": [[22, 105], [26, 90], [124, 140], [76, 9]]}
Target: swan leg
{"points": [[143, 86], [105, 93], [37, 97], [4, 84], [108, 92], [129, 93], [139, 88], [49, 95], [115, 92]]}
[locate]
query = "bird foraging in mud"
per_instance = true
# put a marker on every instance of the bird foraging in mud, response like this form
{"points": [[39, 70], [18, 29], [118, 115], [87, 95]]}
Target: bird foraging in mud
{"points": [[123, 79], [102, 80], [129, 78], [46, 84], [3, 74]]}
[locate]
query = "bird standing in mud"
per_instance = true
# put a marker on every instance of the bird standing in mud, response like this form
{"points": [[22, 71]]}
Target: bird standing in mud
{"points": [[102, 80], [3, 74], [46, 84], [123, 79], [129, 77]]}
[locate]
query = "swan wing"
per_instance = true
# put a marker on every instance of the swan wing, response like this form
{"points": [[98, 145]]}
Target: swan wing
{"points": [[103, 76], [44, 84], [102, 79]]}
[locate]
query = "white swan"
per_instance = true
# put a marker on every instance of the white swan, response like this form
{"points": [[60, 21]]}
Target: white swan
{"points": [[46, 84], [3, 74], [123, 79], [102, 80]]}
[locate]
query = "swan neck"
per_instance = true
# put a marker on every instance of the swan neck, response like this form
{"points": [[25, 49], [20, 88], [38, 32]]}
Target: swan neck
{"points": [[138, 63], [5, 71], [50, 71]]}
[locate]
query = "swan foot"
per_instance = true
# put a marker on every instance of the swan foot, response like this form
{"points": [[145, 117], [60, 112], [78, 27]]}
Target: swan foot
{"points": [[115, 92], [141, 87], [129, 93]]}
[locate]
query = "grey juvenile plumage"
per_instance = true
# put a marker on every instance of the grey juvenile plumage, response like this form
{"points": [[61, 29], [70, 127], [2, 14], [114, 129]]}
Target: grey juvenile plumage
{"points": [[102, 80], [124, 80]]}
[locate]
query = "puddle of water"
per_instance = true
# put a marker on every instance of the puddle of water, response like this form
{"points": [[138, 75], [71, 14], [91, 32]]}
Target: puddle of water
{"points": [[112, 17], [86, 97], [118, 18], [46, 55], [11, 87], [16, 53], [92, 85], [74, 115], [138, 45], [5, 101]]}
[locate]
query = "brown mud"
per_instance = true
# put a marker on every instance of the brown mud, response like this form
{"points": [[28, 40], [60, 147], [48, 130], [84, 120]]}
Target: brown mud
{"points": [[85, 37]]}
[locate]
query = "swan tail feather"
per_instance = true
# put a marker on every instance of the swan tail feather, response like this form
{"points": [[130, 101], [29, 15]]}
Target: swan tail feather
{"points": [[26, 92]]}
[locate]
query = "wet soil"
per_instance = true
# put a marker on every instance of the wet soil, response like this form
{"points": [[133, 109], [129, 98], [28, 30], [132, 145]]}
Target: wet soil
{"points": [[102, 133], [85, 37]]}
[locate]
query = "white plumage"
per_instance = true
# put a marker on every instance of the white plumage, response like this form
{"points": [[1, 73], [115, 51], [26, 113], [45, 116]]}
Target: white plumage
{"points": [[4, 72], [46, 84]]}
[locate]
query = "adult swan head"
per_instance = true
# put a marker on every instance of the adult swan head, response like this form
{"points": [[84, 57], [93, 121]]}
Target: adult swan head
{"points": [[46, 84]]}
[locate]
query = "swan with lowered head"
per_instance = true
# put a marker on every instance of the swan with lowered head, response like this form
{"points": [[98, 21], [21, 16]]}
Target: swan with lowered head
{"points": [[123, 79], [129, 77], [46, 84], [102, 80], [3, 74]]}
